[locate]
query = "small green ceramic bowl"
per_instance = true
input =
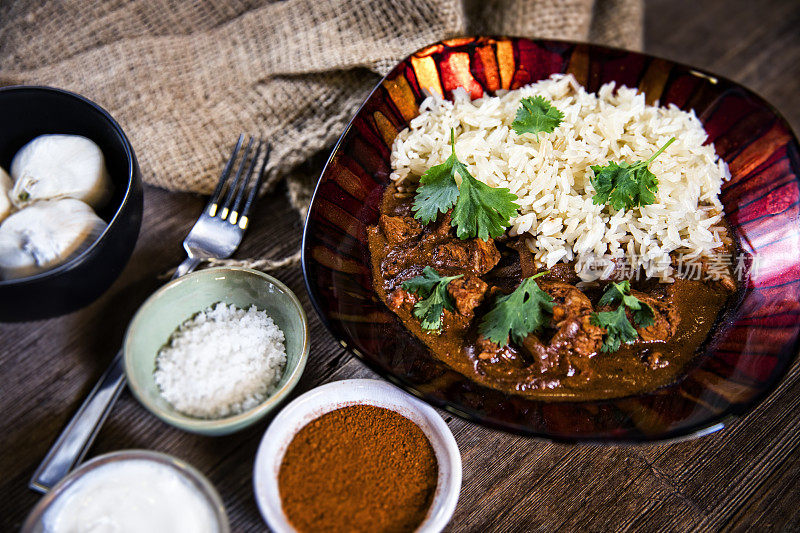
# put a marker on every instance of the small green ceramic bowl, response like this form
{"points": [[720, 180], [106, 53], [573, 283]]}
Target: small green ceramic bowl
{"points": [[184, 297]]}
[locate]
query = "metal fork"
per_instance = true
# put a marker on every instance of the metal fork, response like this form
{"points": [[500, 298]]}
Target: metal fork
{"points": [[215, 235]]}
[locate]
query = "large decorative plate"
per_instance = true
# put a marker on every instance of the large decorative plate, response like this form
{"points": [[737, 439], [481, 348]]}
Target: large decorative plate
{"points": [[741, 364]]}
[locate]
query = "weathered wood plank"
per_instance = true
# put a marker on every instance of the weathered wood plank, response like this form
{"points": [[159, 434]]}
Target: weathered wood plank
{"points": [[753, 43]]}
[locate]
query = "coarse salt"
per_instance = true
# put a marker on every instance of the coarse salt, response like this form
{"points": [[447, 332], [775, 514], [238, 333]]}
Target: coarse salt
{"points": [[221, 362]]}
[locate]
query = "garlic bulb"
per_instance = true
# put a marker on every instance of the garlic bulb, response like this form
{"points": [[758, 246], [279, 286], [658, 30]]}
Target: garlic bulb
{"points": [[46, 234], [60, 166], [5, 189]]}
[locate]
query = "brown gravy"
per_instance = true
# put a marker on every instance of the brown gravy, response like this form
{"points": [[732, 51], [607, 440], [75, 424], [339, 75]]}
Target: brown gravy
{"points": [[635, 368]]}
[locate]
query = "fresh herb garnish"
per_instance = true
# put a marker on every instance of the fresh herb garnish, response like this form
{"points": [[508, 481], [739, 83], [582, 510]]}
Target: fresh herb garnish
{"points": [[536, 115], [517, 314], [626, 185], [480, 211], [621, 292], [618, 328], [432, 288], [437, 189]]}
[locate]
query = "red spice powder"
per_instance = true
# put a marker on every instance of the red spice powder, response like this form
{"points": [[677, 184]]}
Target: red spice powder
{"points": [[358, 468]]}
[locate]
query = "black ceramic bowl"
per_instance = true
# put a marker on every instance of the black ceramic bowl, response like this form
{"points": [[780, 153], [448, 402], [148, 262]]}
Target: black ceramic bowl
{"points": [[32, 111]]}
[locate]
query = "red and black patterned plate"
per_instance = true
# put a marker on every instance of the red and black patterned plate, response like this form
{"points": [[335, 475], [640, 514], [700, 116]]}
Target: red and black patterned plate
{"points": [[743, 361]]}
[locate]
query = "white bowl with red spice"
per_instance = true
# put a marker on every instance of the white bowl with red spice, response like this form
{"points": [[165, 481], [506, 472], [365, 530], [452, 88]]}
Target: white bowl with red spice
{"points": [[410, 441]]}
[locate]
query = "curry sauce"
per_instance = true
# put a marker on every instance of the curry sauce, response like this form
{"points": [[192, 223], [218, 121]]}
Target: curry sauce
{"points": [[563, 362]]}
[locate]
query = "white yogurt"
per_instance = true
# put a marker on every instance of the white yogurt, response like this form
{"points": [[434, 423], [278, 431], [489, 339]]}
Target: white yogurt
{"points": [[133, 495]]}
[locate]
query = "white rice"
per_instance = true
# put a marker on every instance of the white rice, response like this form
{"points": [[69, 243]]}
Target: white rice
{"points": [[221, 362], [551, 175]]}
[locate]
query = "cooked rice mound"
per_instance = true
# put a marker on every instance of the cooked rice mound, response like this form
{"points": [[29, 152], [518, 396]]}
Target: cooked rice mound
{"points": [[551, 175]]}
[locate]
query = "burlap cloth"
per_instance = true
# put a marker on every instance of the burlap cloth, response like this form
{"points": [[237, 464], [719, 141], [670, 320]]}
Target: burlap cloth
{"points": [[185, 78]]}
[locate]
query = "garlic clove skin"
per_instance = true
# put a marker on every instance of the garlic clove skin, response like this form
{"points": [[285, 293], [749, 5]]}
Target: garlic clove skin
{"points": [[5, 189], [60, 166], [46, 234]]}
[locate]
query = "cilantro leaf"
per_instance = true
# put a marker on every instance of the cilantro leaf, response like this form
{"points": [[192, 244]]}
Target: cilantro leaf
{"points": [[430, 310], [614, 293], [423, 285], [643, 314], [536, 115], [618, 328], [517, 314], [482, 211], [432, 288], [438, 190], [626, 185]]}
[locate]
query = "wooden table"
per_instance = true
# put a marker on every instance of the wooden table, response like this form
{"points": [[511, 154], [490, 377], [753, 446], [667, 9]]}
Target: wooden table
{"points": [[743, 477]]}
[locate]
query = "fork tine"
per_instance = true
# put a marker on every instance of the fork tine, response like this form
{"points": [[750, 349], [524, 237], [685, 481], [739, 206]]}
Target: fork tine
{"points": [[250, 197], [239, 195], [227, 203], [213, 202]]}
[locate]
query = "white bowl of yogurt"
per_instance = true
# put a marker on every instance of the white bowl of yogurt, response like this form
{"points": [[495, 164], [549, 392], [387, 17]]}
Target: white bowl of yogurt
{"points": [[131, 491]]}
